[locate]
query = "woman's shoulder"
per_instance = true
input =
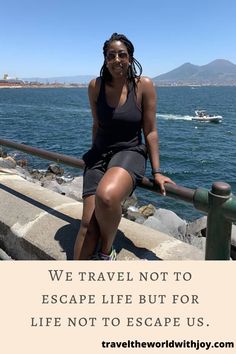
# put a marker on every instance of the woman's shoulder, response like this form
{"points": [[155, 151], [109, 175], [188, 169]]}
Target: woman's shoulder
{"points": [[146, 81], [94, 86], [145, 85], [95, 82]]}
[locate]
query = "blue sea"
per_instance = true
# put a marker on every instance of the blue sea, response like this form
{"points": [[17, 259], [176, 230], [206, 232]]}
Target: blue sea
{"points": [[194, 154]]}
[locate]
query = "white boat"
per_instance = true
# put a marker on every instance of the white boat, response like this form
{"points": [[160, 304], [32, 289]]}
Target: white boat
{"points": [[203, 116]]}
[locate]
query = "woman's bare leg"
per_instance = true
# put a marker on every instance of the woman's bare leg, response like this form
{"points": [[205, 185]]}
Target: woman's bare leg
{"points": [[88, 235], [113, 188]]}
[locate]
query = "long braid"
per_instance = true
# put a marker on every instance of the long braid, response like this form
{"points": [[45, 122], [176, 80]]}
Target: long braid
{"points": [[135, 68]]}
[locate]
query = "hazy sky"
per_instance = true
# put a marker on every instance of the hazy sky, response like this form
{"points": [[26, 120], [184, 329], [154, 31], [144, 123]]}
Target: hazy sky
{"points": [[47, 38]]}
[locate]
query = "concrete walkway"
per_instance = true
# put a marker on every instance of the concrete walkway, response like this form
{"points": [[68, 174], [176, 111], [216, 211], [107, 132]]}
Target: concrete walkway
{"points": [[36, 223]]}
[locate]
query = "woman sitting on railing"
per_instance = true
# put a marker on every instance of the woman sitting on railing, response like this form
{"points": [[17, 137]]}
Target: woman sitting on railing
{"points": [[123, 104]]}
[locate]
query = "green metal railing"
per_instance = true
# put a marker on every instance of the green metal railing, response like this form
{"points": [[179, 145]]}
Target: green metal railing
{"points": [[219, 203]]}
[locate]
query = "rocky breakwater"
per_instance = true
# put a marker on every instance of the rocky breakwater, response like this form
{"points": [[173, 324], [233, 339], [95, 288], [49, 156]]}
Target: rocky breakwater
{"points": [[163, 220]]}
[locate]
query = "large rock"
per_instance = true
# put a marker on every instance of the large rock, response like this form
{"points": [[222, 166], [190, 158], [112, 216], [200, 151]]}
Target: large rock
{"points": [[133, 214], [7, 162], [56, 169], [130, 201], [168, 222], [197, 227], [2, 152], [196, 233], [71, 189], [156, 224], [147, 210], [22, 163]]}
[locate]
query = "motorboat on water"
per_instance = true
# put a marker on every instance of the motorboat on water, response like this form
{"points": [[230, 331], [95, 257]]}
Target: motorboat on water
{"points": [[203, 116]]}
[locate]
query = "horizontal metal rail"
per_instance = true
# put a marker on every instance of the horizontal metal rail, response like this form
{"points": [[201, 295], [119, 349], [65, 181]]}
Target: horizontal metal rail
{"points": [[185, 194], [44, 154], [219, 203]]}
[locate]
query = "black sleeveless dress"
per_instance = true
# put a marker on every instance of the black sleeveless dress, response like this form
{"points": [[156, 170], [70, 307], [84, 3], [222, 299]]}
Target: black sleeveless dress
{"points": [[118, 141]]}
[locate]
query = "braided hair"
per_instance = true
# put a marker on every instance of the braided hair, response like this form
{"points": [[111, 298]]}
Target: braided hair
{"points": [[135, 68]]}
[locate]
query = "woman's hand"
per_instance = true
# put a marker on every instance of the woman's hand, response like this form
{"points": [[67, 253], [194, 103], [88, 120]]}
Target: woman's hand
{"points": [[161, 180]]}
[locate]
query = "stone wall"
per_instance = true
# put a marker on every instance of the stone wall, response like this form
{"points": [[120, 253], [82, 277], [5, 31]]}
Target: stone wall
{"points": [[37, 223]]}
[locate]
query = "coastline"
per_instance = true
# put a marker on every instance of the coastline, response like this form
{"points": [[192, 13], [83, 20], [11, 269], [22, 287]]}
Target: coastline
{"points": [[85, 85], [43, 86]]}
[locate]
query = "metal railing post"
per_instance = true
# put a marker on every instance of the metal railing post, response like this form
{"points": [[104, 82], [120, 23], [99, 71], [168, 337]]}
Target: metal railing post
{"points": [[218, 235]]}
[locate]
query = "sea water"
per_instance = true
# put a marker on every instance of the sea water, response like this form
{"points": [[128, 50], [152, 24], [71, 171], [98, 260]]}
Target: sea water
{"points": [[194, 154]]}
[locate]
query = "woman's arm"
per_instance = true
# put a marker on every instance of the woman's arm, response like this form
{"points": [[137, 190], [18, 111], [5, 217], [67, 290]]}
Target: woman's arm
{"points": [[93, 90], [150, 130]]}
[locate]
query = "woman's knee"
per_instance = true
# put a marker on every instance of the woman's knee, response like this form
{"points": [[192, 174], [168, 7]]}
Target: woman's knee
{"points": [[107, 197]]}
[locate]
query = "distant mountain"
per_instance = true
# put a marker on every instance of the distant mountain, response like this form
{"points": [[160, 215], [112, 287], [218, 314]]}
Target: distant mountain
{"points": [[79, 79], [218, 72]]}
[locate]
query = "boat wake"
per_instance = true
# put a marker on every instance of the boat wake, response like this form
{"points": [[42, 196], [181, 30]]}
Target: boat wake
{"points": [[174, 117], [204, 119]]}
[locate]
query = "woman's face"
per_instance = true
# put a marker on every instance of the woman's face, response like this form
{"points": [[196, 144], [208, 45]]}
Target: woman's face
{"points": [[117, 59]]}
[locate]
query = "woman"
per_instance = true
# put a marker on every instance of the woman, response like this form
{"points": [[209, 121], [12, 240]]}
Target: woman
{"points": [[123, 104]]}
